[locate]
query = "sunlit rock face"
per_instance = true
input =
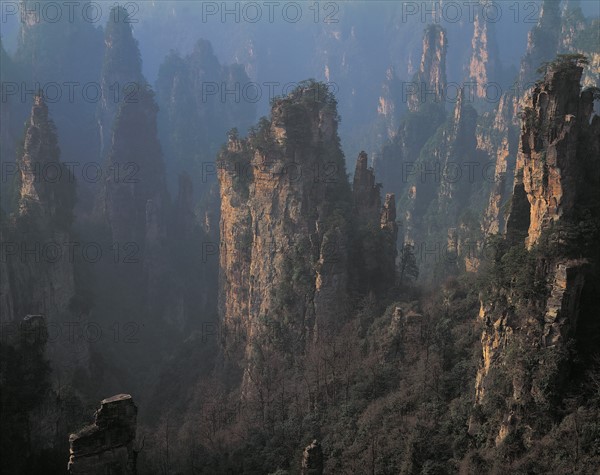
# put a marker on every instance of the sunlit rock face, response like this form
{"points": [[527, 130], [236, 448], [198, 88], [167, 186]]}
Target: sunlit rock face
{"points": [[287, 225], [484, 66], [500, 142], [312, 459], [430, 79], [558, 138], [106, 446], [555, 199], [280, 217]]}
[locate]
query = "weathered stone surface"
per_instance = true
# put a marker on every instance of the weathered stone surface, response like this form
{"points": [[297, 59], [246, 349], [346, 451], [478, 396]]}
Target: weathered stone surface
{"points": [[430, 80], [278, 220], [106, 447], [557, 134], [556, 195], [484, 65], [289, 223], [500, 143], [312, 459]]}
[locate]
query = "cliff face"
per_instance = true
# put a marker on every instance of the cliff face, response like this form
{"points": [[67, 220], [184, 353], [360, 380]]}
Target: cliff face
{"points": [[554, 203], [107, 445], [391, 106], [500, 141], [285, 225], [440, 199], [38, 275], [281, 227], [553, 149], [484, 66], [542, 42], [430, 79], [424, 97], [121, 78]]}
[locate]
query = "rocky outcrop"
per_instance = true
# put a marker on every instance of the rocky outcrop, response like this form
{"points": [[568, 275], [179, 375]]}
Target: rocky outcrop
{"points": [[287, 227], [557, 135], [500, 142], [107, 445], [484, 66], [375, 232], [282, 232], [365, 192], [121, 78], [555, 201], [429, 83], [38, 274], [542, 42], [312, 459]]}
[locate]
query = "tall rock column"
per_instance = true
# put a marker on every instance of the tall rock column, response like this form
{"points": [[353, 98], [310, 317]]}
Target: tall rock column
{"points": [[552, 157], [38, 274], [283, 223], [484, 65], [121, 77], [528, 329], [429, 82], [542, 42], [292, 228]]}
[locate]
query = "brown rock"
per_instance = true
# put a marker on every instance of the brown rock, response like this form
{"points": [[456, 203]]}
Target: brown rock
{"points": [[107, 445]]}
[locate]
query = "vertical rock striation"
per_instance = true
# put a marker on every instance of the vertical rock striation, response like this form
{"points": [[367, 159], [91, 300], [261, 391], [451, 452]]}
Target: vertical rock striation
{"points": [[484, 65], [287, 232], [554, 206], [553, 152], [430, 80], [500, 142], [282, 227]]}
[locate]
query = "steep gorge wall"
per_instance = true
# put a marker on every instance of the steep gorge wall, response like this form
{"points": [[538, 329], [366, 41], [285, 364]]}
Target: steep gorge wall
{"points": [[554, 205]]}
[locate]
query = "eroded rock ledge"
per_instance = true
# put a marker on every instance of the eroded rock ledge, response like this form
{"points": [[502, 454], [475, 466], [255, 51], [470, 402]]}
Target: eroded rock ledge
{"points": [[106, 447]]}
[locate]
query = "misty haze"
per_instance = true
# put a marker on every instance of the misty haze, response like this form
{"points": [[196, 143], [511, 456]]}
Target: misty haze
{"points": [[300, 238]]}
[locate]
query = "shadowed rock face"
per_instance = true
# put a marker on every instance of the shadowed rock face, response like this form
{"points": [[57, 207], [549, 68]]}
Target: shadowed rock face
{"points": [[106, 447]]}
